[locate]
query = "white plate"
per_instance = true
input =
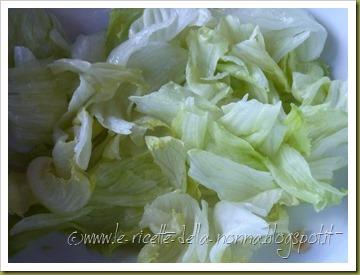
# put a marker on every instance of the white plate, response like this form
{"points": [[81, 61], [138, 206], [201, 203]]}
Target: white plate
{"points": [[85, 21]]}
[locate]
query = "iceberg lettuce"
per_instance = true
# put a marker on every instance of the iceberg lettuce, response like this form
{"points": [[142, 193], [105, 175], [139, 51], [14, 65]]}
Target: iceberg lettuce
{"points": [[212, 123]]}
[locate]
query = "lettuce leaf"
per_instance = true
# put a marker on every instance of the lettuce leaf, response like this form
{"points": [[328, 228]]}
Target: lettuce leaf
{"points": [[236, 182], [291, 171], [181, 213], [286, 30]]}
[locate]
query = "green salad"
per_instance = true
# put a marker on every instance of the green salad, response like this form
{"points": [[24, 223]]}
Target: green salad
{"points": [[223, 118]]}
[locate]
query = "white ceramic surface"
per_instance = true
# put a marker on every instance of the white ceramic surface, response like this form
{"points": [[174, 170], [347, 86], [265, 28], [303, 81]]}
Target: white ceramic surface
{"points": [[86, 21]]}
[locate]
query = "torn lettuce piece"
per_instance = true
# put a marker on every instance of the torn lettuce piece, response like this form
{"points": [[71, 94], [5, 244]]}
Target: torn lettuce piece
{"points": [[37, 100], [323, 121], [160, 63], [223, 143], [157, 25], [328, 132], [150, 126], [59, 195], [83, 134], [182, 215], [169, 153], [297, 134], [253, 51], [76, 151], [103, 79], [337, 95], [292, 173], [323, 147], [104, 89], [163, 104], [323, 169], [309, 90], [231, 181], [206, 47], [232, 28], [253, 79], [131, 182], [286, 30], [191, 124], [170, 102], [242, 226], [251, 120]]}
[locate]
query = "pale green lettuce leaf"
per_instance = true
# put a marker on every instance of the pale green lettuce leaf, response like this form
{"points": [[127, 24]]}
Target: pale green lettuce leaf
{"points": [[104, 89], [173, 209], [322, 147], [68, 152], [224, 143], [274, 139], [327, 128], [232, 28], [83, 134], [206, 47], [253, 80], [292, 172], [156, 25], [323, 169], [253, 51], [198, 248], [309, 90], [228, 250], [323, 121], [58, 194], [37, 100], [190, 124], [297, 134], [160, 63], [169, 153], [286, 30], [63, 156], [337, 95], [251, 120], [231, 181], [148, 125], [163, 104], [181, 214], [129, 182], [237, 223], [263, 202]]}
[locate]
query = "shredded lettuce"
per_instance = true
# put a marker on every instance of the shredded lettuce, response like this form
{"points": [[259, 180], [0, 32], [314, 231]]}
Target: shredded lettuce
{"points": [[211, 122]]}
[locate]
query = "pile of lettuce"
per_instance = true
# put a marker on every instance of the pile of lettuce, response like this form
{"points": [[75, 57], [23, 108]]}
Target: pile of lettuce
{"points": [[223, 118]]}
